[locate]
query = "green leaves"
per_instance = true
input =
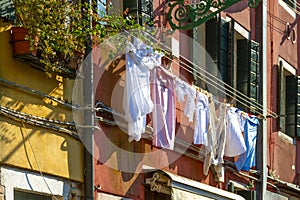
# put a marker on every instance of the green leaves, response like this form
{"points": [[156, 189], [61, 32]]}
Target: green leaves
{"points": [[59, 29]]}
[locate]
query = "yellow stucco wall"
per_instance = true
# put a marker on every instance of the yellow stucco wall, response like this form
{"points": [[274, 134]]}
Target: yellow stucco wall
{"points": [[56, 153]]}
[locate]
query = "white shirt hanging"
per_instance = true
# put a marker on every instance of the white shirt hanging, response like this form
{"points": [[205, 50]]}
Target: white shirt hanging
{"points": [[163, 116], [235, 144], [202, 119], [184, 89], [137, 103]]}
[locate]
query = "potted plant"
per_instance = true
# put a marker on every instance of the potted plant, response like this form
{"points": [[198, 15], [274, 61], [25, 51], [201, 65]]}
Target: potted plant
{"points": [[60, 30]]}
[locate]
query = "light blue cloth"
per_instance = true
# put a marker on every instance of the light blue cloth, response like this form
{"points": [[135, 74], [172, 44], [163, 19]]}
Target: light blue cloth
{"points": [[247, 160]]}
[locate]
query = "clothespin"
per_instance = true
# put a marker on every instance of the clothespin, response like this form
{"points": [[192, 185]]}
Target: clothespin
{"points": [[260, 117]]}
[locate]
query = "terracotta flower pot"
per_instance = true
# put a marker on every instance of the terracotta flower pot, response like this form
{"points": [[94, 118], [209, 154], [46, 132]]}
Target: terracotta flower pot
{"points": [[20, 45]]}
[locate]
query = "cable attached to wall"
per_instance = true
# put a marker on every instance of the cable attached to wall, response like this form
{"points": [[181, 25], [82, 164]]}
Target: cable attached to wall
{"points": [[37, 164], [33, 120]]}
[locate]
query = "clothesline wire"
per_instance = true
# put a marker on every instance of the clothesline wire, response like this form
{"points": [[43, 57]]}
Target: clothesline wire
{"points": [[242, 101], [222, 84], [236, 94], [244, 104], [214, 82]]}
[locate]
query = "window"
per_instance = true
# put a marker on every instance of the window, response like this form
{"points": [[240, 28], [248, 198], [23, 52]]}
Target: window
{"points": [[142, 10], [101, 7], [291, 3], [7, 10], [21, 195], [236, 58], [153, 195], [290, 6], [288, 100]]}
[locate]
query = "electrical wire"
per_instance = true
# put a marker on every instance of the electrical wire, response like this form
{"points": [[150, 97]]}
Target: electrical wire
{"points": [[38, 118], [37, 164], [32, 91], [30, 120], [214, 81]]}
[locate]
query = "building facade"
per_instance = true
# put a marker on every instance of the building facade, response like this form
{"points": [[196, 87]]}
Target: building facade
{"points": [[41, 156], [234, 42], [243, 56]]}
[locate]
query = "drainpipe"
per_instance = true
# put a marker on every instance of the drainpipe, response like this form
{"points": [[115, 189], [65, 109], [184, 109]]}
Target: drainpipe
{"points": [[89, 115], [262, 186]]}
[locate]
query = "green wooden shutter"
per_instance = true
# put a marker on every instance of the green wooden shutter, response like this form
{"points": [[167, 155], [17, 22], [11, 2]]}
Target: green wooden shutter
{"points": [[216, 44], [217, 47], [242, 70], [212, 46], [290, 106], [254, 76], [281, 97], [224, 49], [248, 77], [7, 10], [231, 56], [211, 41], [298, 107]]}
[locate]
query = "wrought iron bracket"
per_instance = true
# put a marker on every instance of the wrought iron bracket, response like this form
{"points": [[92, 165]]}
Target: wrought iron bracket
{"points": [[152, 182], [187, 14]]}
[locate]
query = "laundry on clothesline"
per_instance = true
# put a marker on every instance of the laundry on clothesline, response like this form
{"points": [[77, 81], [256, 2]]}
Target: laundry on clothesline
{"points": [[223, 130]]}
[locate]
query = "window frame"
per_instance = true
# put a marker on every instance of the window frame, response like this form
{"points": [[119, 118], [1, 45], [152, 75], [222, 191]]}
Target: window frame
{"points": [[287, 70], [35, 195], [288, 8]]}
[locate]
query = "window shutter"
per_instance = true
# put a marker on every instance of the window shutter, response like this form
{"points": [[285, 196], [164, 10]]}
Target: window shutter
{"points": [[217, 47], [224, 49], [242, 69], [281, 97], [291, 94], [298, 107], [248, 79], [211, 46], [7, 10], [211, 41], [254, 76]]}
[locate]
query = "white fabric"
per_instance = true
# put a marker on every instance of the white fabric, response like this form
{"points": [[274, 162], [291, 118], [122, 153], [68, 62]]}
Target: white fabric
{"points": [[184, 89], [202, 119], [214, 151], [235, 143], [164, 116], [137, 102]]}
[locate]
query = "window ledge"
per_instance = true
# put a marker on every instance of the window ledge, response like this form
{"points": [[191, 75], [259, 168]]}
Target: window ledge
{"points": [[285, 137], [287, 8]]}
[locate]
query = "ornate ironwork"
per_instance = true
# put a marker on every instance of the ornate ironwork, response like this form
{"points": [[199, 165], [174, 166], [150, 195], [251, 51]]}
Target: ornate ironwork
{"points": [[187, 14]]}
